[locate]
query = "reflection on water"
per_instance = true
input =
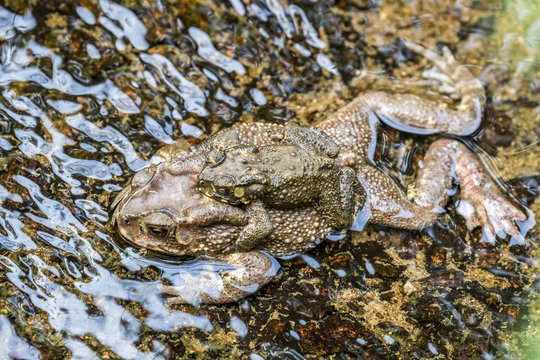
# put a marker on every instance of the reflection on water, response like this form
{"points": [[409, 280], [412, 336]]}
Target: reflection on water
{"points": [[90, 90]]}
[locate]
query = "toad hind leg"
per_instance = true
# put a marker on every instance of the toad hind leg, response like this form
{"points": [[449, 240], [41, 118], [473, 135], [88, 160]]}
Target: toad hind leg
{"points": [[482, 203], [341, 212], [354, 127], [413, 114]]}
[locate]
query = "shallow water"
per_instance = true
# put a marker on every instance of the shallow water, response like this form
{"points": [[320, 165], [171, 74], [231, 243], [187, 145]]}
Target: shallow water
{"points": [[90, 90]]}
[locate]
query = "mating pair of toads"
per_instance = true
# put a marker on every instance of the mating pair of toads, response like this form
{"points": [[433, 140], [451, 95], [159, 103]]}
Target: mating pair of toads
{"points": [[260, 190]]}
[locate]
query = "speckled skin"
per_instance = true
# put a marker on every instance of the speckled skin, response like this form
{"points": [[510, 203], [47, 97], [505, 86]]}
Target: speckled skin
{"points": [[170, 188], [299, 171]]}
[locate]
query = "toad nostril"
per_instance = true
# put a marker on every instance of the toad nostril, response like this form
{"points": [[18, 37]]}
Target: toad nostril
{"points": [[122, 220]]}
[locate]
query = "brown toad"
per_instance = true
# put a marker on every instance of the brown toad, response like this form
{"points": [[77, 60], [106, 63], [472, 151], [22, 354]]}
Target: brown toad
{"points": [[163, 210]]}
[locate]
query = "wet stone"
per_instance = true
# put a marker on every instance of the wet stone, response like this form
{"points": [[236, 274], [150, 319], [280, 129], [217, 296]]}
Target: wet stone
{"points": [[332, 335]]}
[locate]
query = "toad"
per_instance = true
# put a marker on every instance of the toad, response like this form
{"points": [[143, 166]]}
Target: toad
{"points": [[161, 209], [297, 172]]}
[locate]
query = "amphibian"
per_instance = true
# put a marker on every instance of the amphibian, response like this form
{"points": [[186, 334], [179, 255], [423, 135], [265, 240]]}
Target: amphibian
{"points": [[297, 172], [163, 210]]}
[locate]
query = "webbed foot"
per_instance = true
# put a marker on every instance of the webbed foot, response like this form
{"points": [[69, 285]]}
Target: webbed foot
{"points": [[447, 86], [482, 203], [487, 208], [447, 71], [457, 81]]}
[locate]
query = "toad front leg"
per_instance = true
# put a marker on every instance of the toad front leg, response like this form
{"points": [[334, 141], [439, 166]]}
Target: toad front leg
{"points": [[222, 279], [258, 228], [339, 205], [256, 222]]}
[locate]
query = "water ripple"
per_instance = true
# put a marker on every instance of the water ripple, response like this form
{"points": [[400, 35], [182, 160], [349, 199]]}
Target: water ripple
{"points": [[58, 216], [15, 239], [132, 28], [312, 38], [155, 129], [15, 71], [160, 317], [208, 52], [85, 14], [194, 98], [11, 346], [10, 23], [70, 316], [92, 211], [62, 165], [109, 135]]}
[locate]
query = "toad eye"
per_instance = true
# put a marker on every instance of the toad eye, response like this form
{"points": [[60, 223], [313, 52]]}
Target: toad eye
{"points": [[158, 230], [158, 224]]}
